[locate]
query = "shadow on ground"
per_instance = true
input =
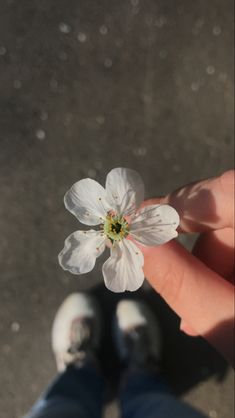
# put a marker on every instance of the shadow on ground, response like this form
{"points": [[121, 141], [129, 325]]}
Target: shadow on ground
{"points": [[186, 361]]}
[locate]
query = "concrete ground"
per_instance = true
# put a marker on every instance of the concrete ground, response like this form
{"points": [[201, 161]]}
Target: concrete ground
{"points": [[87, 86]]}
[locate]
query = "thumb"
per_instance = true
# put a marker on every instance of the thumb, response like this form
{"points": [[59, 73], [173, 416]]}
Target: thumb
{"points": [[202, 298]]}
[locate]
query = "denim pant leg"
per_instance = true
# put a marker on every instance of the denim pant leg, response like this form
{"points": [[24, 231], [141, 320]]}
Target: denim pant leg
{"points": [[146, 395], [76, 393]]}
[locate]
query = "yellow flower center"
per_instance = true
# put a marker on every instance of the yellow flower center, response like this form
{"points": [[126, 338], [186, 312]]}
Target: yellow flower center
{"points": [[116, 227]]}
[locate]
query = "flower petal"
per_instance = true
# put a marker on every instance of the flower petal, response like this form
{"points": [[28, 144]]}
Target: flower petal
{"points": [[155, 225], [125, 188], [87, 200], [123, 269], [80, 251]]}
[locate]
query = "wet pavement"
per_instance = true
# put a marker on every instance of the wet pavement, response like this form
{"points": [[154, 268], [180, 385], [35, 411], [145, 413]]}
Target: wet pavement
{"points": [[87, 86]]}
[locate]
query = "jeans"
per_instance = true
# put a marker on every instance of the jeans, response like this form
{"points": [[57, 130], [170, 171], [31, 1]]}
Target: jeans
{"points": [[78, 393]]}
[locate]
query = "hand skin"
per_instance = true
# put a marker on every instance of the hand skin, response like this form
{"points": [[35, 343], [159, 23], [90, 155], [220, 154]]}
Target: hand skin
{"points": [[199, 286]]}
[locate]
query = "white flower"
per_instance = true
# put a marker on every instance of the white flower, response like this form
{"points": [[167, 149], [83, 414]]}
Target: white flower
{"points": [[116, 209]]}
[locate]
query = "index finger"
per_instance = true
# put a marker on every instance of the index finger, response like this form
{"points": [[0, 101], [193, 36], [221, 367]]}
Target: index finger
{"points": [[205, 205]]}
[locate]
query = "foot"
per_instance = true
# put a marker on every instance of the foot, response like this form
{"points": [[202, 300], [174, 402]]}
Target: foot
{"points": [[137, 335], [76, 331]]}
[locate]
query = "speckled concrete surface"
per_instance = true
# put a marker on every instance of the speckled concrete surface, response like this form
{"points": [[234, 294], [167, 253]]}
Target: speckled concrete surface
{"points": [[87, 86]]}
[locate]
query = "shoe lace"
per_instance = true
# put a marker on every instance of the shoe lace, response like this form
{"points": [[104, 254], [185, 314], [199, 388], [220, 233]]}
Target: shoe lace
{"points": [[80, 338]]}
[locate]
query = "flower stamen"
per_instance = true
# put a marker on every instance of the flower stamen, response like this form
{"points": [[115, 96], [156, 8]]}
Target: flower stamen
{"points": [[115, 227]]}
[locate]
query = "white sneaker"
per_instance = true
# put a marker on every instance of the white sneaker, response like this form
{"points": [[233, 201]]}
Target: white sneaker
{"points": [[137, 335], [76, 331]]}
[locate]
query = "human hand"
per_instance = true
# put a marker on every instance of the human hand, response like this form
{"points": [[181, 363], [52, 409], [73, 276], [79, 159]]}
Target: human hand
{"points": [[199, 286]]}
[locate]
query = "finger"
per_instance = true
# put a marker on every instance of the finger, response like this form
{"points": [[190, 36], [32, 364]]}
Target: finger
{"points": [[185, 283], [216, 250], [206, 205], [197, 294]]}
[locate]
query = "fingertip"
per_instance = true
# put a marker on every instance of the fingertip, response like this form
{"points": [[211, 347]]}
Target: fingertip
{"points": [[187, 329], [228, 178]]}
